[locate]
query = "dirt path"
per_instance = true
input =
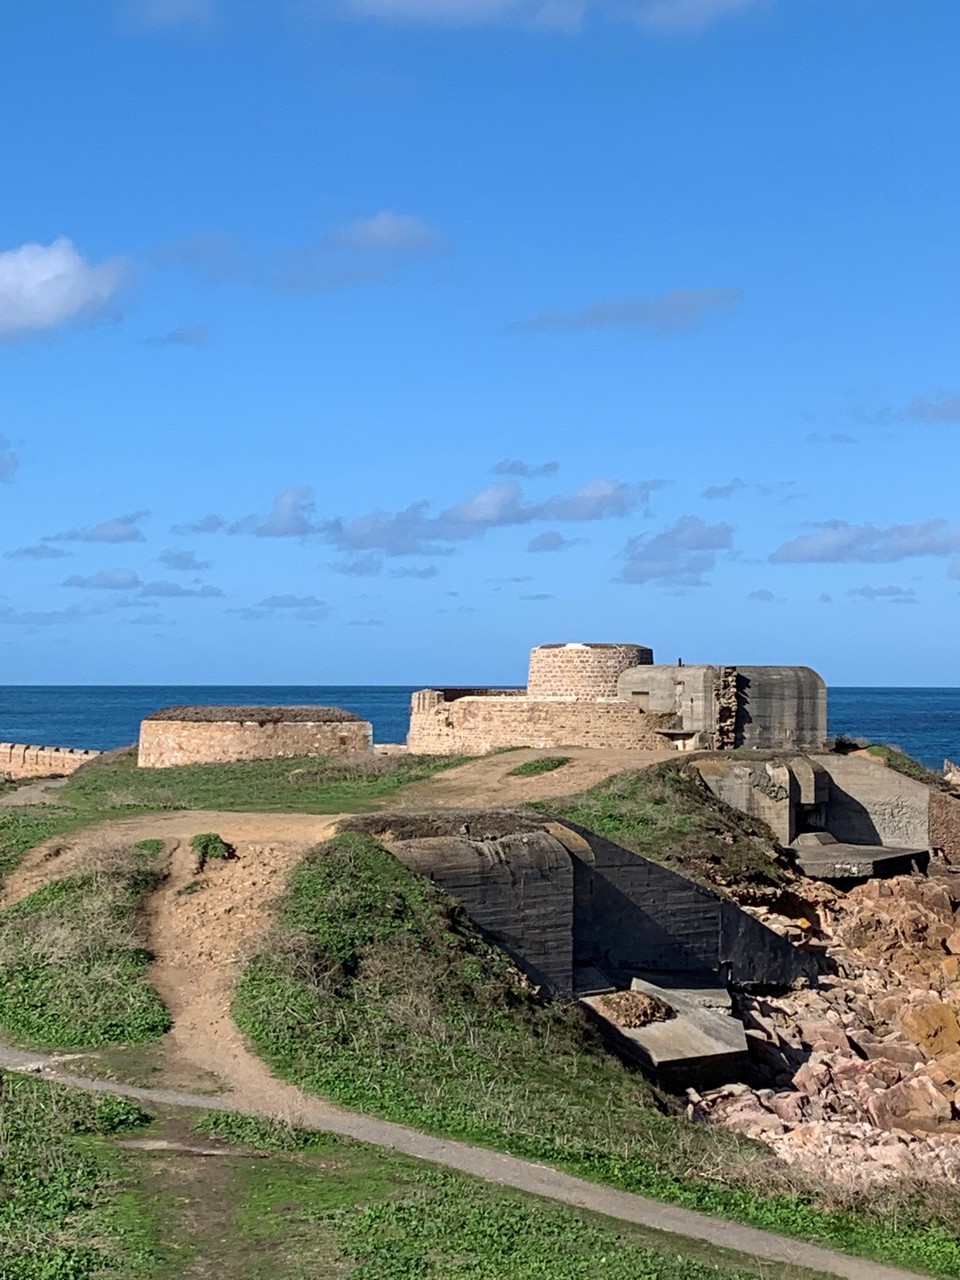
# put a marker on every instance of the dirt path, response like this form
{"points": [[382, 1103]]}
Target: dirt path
{"points": [[487, 782], [42, 792], [62, 854], [201, 927], [491, 1166]]}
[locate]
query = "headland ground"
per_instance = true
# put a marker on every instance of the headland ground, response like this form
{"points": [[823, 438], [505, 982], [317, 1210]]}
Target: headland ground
{"points": [[218, 988]]}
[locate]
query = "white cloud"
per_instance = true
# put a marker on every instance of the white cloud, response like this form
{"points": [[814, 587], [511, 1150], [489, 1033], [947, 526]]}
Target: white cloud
{"points": [[690, 15], [290, 517], [736, 485], [678, 312], [678, 556], [839, 542], [182, 561], [41, 552], [171, 590], [119, 529], [529, 470], [892, 594], [206, 524], [188, 335], [105, 580], [45, 286]]}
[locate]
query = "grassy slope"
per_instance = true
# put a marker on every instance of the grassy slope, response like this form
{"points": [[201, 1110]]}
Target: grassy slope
{"points": [[72, 968], [667, 814], [376, 991], [75, 1207], [60, 1215], [113, 786]]}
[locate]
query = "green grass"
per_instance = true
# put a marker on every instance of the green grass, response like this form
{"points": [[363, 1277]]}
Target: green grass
{"points": [[898, 760], [544, 764], [667, 814], [72, 967], [23, 829], [377, 992], [62, 1213], [394, 1218], [309, 785]]}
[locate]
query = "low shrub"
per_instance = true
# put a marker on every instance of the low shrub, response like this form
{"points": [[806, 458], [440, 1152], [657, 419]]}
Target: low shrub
{"points": [[545, 764], [209, 845]]}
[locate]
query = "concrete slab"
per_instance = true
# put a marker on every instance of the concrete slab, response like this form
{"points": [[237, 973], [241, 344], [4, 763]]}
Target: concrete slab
{"points": [[821, 857], [702, 1046]]}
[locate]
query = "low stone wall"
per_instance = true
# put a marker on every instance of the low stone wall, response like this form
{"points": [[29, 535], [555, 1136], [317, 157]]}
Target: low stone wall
{"points": [[475, 725], [164, 743], [20, 761]]}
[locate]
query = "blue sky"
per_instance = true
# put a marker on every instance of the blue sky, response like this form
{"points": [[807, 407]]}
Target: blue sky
{"points": [[375, 341]]}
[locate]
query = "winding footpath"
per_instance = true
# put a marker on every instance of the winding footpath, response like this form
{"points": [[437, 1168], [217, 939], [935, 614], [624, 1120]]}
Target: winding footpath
{"points": [[508, 1171]]}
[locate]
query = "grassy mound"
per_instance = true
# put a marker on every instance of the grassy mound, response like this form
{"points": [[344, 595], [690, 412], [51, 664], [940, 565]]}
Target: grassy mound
{"points": [[900, 762], [72, 966], [667, 814], [58, 1216], [377, 992], [308, 785]]}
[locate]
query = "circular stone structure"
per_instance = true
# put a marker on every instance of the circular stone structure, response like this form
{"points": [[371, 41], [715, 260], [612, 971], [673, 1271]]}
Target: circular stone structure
{"points": [[584, 672], [221, 735]]}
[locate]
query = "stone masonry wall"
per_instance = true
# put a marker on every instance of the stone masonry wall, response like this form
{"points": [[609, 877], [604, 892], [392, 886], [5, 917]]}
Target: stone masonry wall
{"points": [[19, 761], [582, 670], [475, 725], [945, 825], [171, 742]]}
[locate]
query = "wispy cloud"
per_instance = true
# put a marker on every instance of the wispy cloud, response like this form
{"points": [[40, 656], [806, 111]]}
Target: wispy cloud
{"points": [[41, 552], [839, 542], [933, 410], [45, 286], [661, 16], [674, 314], [291, 516], [831, 437], [9, 461], [763, 595], [51, 617], [189, 335], [176, 590], [119, 529], [678, 556], [105, 580], [891, 594], [715, 491], [169, 13], [206, 524], [409, 571], [387, 233], [551, 541], [413, 531], [530, 471], [182, 561], [368, 566]]}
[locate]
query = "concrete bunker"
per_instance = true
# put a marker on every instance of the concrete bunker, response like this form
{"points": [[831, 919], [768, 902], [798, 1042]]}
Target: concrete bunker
{"points": [[223, 734], [615, 696]]}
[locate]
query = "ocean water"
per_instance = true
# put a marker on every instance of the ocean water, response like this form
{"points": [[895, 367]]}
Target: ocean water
{"points": [[923, 722]]}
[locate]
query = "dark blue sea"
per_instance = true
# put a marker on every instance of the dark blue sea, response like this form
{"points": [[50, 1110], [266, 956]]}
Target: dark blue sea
{"points": [[923, 722]]}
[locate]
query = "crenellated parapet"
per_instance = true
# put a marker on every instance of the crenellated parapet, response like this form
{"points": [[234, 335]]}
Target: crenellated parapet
{"points": [[17, 760]]}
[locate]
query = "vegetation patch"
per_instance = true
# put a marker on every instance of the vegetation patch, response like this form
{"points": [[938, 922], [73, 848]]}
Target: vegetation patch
{"points": [[375, 990], [207, 845], [544, 764], [114, 784], [667, 814], [60, 1214], [22, 829], [899, 761], [72, 965]]}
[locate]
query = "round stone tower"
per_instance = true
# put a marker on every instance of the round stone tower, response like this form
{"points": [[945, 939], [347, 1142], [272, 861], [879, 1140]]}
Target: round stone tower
{"points": [[584, 672]]}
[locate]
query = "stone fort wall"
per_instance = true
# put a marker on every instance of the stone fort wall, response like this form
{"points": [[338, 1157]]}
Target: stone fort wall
{"points": [[473, 725], [586, 671], [164, 743], [20, 761]]}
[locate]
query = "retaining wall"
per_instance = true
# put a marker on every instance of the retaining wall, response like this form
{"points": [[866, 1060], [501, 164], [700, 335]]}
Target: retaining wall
{"points": [[474, 725], [164, 743], [20, 761]]}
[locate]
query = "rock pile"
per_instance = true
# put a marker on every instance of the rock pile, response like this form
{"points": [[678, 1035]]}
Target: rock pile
{"points": [[861, 1074]]}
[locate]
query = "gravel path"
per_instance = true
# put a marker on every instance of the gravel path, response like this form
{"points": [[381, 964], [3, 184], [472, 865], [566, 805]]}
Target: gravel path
{"points": [[491, 1166]]}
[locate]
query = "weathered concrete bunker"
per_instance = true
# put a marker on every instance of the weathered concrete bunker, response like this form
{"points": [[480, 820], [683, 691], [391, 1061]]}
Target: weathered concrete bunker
{"points": [[579, 913], [220, 735], [615, 696]]}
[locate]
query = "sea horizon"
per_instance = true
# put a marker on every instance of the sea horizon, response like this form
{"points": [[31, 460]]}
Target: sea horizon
{"points": [[922, 720]]}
